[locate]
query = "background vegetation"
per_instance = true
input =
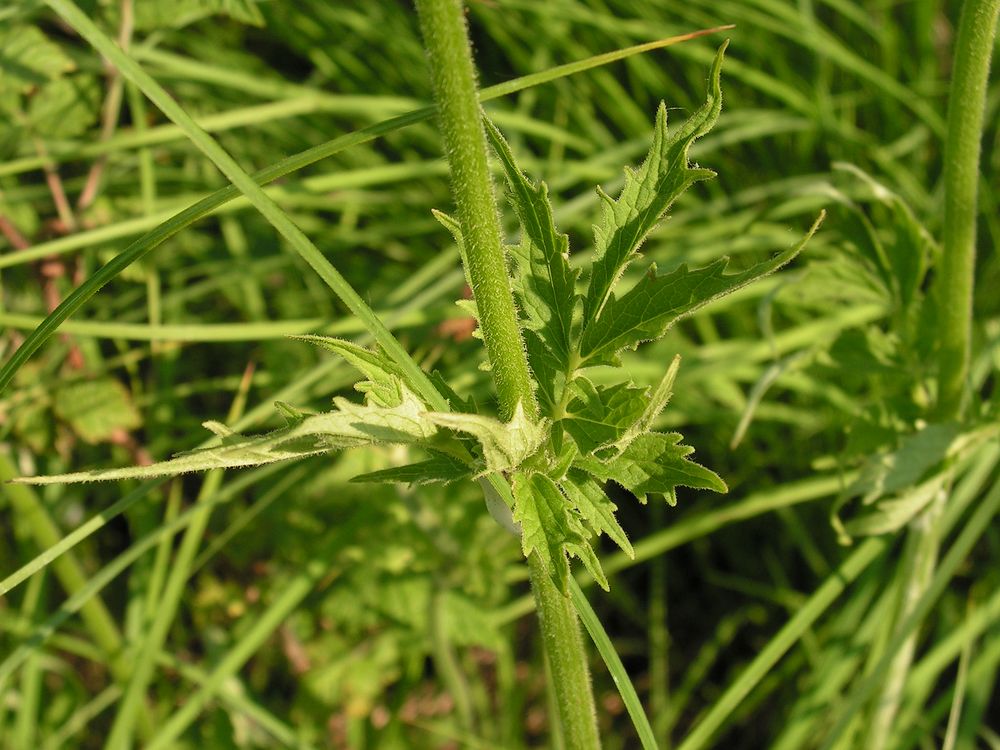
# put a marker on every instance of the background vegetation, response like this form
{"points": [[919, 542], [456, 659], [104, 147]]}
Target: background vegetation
{"points": [[313, 612]]}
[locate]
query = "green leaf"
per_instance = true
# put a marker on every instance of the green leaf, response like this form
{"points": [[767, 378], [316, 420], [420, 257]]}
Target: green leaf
{"points": [[382, 388], [657, 401], [647, 195], [96, 409], [654, 462], [441, 468], [504, 446], [656, 302], [600, 415], [548, 378], [549, 528], [546, 285], [455, 401], [348, 426], [66, 107], [28, 59], [158, 14], [596, 508], [894, 487], [453, 226]]}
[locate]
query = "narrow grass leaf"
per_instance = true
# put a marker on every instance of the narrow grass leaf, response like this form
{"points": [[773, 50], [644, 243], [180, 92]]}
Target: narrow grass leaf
{"points": [[615, 667]]}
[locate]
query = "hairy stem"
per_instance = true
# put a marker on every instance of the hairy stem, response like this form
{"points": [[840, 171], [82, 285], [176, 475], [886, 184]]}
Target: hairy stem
{"points": [[443, 25], [446, 39], [966, 105]]}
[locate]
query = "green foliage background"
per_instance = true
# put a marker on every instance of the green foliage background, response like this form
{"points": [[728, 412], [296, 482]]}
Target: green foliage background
{"points": [[328, 613]]}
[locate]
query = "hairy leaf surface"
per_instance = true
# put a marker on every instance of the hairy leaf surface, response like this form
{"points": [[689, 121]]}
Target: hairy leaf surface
{"points": [[504, 446], [546, 284], [648, 193], [348, 426], [655, 303], [549, 528], [654, 463], [382, 387], [600, 415], [594, 505]]}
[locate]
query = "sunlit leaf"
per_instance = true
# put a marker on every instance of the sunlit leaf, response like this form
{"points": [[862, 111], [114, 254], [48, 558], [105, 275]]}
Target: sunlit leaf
{"points": [[546, 285], [648, 193], [654, 463]]}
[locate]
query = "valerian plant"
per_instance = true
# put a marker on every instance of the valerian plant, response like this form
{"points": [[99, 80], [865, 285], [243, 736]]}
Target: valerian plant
{"points": [[585, 434]]}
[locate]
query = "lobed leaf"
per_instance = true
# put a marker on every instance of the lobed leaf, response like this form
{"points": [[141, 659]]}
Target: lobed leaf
{"points": [[655, 303], [96, 410], [29, 59], [348, 426], [654, 463], [647, 194], [596, 508], [657, 402], [546, 284], [600, 415], [549, 528], [383, 386]]}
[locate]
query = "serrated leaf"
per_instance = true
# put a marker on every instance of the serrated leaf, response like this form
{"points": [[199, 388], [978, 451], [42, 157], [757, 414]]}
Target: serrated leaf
{"points": [[382, 388], [546, 284], [349, 426], [654, 463], [596, 508], [657, 402], [600, 415], [547, 376], [96, 409], [655, 303], [454, 228], [647, 194], [505, 445], [28, 59], [65, 107], [440, 469], [549, 528]]}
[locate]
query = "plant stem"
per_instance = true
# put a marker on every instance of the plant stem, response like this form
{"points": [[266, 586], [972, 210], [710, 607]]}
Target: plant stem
{"points": [[446, 39], [459, 116], [966, 105], [567, 660]]}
